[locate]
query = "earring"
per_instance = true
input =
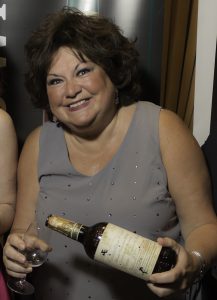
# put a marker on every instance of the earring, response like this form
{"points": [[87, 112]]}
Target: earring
{"points": [[117, 100], [54, 119]]}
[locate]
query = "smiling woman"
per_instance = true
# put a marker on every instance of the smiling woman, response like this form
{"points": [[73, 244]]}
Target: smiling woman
{"points": [[80, 93], [104, 155]]}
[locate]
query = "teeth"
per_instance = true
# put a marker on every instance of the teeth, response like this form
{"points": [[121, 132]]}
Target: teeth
{"points": [[76, 104]]}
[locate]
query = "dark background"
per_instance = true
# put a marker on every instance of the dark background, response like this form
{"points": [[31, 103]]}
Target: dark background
{"points": [[22, 16]]}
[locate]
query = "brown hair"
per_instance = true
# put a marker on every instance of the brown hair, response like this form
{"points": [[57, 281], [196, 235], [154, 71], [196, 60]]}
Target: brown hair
{"points": [[94, 37]]}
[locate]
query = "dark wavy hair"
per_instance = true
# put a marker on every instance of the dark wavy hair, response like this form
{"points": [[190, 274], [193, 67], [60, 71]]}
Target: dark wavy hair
{"points": [[94, 37]]}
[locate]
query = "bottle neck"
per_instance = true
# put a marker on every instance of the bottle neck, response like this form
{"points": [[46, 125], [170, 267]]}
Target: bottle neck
{"points": [[82, 233], [69, 228]]}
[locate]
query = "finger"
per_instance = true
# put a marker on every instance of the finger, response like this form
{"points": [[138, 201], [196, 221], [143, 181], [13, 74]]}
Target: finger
{"points": [[16, 240], [17, 270], [10, 253], [167, 277], [15, 274], [168, 242], [174, 274], [43, 246], [13, 266], [35, 242], [160, 291], [19, 265]]}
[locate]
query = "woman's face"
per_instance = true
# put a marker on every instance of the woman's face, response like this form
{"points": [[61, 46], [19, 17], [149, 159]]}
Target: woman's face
{"points": [[80, 94]]}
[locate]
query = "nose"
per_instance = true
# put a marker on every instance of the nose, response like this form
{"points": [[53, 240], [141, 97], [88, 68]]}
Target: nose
{"points": [[72, 89]]}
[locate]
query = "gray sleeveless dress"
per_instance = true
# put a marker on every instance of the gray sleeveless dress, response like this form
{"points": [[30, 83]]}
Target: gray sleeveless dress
{"points": [[131, 191]]}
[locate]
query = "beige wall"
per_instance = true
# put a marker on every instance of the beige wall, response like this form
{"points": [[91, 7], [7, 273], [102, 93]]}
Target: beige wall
{"points": [[205, 62]]}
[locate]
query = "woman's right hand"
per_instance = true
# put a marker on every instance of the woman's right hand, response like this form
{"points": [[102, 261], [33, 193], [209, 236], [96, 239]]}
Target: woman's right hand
{"points": [[14, 261]]}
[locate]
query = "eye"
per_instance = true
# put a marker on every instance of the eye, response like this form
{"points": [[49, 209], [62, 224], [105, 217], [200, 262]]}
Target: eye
{"points": [[54, 81], [83, 71]]}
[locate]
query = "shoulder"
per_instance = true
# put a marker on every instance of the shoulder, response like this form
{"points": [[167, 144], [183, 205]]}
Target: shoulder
{"points": [[5, 120], [148, 105], [7, 130], [34, 135], [173, 130], [179, 148], [167, 117], [149, 111], [31, 146]]}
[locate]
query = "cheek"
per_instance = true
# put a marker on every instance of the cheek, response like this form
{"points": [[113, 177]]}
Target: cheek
{"points": [[53, 95], [95, 83], [91, 86], [98, 87]]}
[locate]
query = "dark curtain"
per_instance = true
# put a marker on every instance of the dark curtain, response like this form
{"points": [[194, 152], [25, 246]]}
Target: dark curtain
{"points": [[178, 61]]}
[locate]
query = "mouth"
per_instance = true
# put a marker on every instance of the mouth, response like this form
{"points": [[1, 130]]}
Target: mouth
{"points": [[78, 104]]}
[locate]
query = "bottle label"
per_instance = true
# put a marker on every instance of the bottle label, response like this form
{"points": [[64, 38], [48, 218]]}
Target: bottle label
{"points": [[127, 251]]}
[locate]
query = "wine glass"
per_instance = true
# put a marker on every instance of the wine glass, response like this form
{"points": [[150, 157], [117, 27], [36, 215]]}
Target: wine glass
{"points": [[36, 251]]}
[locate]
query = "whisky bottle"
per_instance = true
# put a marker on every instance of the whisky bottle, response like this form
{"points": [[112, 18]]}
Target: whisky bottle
{"points": [[117, 247]]}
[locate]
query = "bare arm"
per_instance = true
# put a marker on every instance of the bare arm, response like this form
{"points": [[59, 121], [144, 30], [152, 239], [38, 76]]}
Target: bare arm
{"points": [[27, 195], [8, 169], [189, 185], [28, 186]]}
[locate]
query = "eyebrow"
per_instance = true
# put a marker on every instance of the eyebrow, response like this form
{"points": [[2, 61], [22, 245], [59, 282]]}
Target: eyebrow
{"points": [[53, 74], [56, 75]]}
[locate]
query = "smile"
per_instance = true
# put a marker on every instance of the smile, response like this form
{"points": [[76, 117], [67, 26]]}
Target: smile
{"points": [[78, 104], [74, 105]]}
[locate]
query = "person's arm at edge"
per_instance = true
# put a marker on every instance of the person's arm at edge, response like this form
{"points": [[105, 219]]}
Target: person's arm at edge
{"points": [[28, 187], [8, 171]]}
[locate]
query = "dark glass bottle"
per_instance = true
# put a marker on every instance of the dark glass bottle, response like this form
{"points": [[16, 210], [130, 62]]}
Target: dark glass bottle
{"points": [[117, 247]]}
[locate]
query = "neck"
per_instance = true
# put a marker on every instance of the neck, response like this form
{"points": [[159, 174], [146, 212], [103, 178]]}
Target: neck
{"points": [[99, 133]]}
